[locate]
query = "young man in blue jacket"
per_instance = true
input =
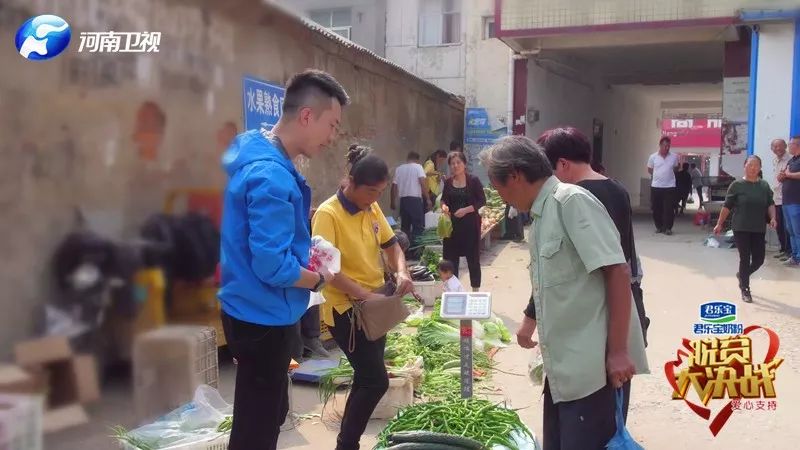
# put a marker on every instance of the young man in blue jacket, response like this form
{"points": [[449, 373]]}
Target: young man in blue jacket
{"points": [[266, 239]]}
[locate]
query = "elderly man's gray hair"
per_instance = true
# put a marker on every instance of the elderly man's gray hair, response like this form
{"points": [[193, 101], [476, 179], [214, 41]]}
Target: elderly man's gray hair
{"points": [[516, 154]]}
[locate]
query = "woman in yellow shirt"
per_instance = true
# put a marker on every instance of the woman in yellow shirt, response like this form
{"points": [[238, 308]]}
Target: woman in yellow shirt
{"points": [[353, 222], [436, 160]]}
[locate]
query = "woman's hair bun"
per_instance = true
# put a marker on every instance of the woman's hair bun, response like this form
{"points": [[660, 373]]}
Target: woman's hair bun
{"points": [[356, 153]]}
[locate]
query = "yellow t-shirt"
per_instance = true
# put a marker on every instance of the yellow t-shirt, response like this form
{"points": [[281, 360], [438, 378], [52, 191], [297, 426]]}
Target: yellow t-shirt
{"points": [[359, 236], [433, 176]]}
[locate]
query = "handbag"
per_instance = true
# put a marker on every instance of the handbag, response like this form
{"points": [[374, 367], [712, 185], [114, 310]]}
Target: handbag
{"points": [[377, 317]]}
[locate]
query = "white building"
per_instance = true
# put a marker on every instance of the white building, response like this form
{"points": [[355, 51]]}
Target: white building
{"points": [[361, 21], [450, 43]]}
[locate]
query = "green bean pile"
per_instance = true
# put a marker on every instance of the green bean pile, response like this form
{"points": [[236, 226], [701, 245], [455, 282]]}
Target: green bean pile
{"points": [[226, 425], [480, 420]]}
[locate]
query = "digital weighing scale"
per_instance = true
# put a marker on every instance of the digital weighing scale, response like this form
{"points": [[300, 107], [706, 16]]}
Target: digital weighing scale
{"points": [[466, 306]]}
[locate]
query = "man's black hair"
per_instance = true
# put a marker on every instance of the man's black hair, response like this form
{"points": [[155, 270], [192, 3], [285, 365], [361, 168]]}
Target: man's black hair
{"points": [[308, 88], [566, 143], [413, 156], [665, 139]]}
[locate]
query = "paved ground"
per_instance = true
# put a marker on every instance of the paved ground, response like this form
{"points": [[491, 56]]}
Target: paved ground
{"points": [[679, 275]]}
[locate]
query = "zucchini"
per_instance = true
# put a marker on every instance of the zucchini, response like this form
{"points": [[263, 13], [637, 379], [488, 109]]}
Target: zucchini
{"points": [[428, 439], [451, 364], [426, 446]]}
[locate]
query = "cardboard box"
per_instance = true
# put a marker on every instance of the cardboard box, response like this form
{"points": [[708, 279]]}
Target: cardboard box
{"points": [[16, 380], [36, 352], [84, 373], [64, 417], [71, 379]]}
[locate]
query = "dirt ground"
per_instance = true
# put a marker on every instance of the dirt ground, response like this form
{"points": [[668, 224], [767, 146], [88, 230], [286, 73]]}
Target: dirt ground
{"points": [[680, 274]]}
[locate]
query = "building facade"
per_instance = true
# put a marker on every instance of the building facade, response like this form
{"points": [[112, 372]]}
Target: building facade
{"points": [[627, 72], [361, 21], [450, 43]]}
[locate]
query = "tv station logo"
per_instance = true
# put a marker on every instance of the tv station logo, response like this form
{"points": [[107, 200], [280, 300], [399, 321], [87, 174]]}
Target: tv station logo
{"points": [[46, 36]]}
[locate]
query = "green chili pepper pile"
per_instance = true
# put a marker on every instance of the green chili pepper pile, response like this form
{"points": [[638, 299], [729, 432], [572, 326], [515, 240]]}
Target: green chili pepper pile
{"points": [[479, 420]]}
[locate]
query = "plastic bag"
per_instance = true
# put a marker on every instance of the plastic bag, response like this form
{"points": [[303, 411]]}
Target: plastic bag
{"points": [[512, 212], [702, 217], [323, 255], [622, 440], [445, 227], [536, 367], [194, 422]]}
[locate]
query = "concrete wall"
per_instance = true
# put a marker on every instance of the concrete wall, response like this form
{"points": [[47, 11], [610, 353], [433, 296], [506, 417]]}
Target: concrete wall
{"points": [[631, 116], [368, 19], [487, 65], [112, 133], [443, 65], [560, 96], [773, 103]]}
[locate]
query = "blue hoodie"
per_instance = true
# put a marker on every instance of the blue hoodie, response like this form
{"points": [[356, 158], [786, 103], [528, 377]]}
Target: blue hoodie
{"points": [[266, 234]]}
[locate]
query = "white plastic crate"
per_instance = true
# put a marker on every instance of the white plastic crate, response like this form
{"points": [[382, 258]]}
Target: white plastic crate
{"points": [[21, 422], [428, 291], [212, 443], [399, 395], [432, 219], [169, 364]]}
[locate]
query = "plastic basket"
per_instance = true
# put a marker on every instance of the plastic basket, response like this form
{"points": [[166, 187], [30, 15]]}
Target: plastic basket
{"points": [[212, 443], [169, 364], [428, 291], [21, 422]]}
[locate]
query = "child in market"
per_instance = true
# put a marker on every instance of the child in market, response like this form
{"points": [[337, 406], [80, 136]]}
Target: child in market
{"points": [[450, 281]]}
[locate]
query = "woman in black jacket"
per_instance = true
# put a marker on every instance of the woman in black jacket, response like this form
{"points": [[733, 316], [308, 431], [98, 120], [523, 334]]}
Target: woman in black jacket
{"points": [[462, 197]]}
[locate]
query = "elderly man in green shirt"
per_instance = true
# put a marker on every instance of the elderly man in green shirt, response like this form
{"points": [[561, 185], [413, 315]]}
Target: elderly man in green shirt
{"points": [[588, 327]]}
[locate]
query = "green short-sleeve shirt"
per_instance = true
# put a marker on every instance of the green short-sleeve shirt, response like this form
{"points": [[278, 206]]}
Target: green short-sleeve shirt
{"points": [[572, 237], [750, 201]]}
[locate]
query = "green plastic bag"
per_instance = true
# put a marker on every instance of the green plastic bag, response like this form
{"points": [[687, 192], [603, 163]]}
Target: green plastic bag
{"points": [[445, 226]]}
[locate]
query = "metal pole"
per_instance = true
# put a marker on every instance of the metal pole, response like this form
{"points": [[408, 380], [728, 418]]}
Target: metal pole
{"points": [[466, 358]]}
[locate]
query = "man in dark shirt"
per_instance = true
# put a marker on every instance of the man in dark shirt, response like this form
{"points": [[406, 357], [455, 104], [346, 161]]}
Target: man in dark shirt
{"points": [[683, 182], [791, 200], [570, 154]]}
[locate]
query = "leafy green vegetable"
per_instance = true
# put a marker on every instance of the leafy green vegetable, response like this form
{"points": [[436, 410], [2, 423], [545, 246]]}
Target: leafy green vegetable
{"points": [[123, 435], [401, 349], [427, 237], [431, 259], [432, 333], [330, 381]]}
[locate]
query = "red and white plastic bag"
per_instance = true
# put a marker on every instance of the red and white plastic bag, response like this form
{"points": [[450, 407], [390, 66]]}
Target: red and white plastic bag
{"points": [[323, 255]]}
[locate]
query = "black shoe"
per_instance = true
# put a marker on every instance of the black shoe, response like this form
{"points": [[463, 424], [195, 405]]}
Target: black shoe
{"points": [[659, 231], [746, 297], [668, 232], [780, 255]]}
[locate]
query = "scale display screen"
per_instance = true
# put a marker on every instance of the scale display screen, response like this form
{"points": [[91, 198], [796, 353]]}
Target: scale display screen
{"points": [[466, 305], [456, 305]]}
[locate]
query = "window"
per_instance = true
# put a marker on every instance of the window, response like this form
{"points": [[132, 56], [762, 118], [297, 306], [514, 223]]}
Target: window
{"points": [[488, 27], [337, 20], [439, 22]]}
